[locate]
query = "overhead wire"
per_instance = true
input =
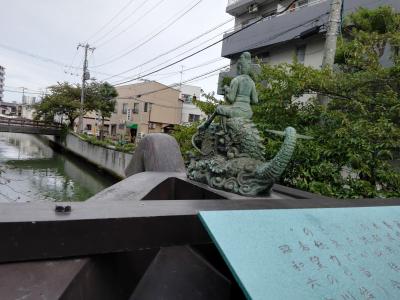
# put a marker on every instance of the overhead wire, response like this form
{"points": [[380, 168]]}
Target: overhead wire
{"points": [[131, 24], [189, 69], [177, 47], [205, 48], [177, 84], [286, 31], [174, 49], [112, 19], [121, 22], [26, 53], [178, 55], [23, 92], [154, 35], [20, 87], [70, 66], [55, 62]]}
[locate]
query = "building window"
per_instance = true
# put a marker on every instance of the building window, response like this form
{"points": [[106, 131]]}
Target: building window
{"points": [[302, 3], [88, 126], [187, 98], [121, 125], [146, 106], [301, 53], [263, 57], [135, 108], [113, 129], [269, 13], [193, 118], [124, 108]]}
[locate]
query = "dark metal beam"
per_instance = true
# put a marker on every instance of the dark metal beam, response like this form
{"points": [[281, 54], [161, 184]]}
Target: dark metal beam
{"points": [[32, 231]]}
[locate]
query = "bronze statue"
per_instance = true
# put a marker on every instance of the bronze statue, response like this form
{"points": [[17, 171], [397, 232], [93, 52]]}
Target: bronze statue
{"points": [[231, 154], [240, 94]]}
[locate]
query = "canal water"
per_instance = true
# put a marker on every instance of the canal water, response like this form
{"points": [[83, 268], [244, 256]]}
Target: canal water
{"points": [[30, 171]]}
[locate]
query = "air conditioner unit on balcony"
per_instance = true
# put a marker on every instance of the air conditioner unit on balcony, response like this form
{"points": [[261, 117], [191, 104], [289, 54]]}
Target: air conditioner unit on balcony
{"points": [[253, 8]]}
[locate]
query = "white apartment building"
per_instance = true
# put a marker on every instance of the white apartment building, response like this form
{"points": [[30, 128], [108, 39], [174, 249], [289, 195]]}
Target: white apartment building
{"points": [[190, 112]]}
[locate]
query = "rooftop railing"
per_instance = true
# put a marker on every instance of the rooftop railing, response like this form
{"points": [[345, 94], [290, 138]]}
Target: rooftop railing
{"points": [[295, 8], [231, 2]]}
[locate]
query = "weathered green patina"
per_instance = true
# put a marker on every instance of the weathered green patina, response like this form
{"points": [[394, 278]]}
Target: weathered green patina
{"points": [[232, 151]]}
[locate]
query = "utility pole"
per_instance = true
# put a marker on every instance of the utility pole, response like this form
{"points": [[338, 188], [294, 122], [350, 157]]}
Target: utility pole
{"points": [[148, 122], [180, 82], [334, 22], [180, 95], [85, 76]]}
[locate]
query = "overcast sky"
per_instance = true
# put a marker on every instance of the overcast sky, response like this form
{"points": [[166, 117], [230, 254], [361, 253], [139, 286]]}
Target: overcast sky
{"points": [[51, 30]]}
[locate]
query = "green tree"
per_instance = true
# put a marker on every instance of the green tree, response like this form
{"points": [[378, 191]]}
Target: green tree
{"points": [[356, 135], [63, 100], [209, 104], [104, 96], [183, 133]]}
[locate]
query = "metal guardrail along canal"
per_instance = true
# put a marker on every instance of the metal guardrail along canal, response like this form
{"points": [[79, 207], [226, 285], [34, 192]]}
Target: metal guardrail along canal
{"points": [[20, 125]]}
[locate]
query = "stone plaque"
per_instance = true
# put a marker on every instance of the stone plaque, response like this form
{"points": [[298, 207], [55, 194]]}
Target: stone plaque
{"points": [[327, 253]]}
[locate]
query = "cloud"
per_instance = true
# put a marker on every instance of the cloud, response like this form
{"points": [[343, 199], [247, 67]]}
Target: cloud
{"points": [[54, 28]]}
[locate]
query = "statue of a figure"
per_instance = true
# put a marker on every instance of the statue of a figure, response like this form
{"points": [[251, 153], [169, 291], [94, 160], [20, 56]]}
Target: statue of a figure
{"points": [[231, 154], [240, 94]]}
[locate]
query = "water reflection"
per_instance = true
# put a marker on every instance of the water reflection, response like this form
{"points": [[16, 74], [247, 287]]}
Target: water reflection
{"points": [[32, 171]]}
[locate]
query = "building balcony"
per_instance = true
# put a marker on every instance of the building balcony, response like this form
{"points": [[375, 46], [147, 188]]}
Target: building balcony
{"points": [[237, 7], [277, 29], [296, 23]]}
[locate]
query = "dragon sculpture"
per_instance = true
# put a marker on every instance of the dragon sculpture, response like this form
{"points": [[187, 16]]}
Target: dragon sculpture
{"points": [[231, 152]]}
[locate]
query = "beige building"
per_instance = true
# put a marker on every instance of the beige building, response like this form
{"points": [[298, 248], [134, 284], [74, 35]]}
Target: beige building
{"points": [[142, 108], [92, 123]]}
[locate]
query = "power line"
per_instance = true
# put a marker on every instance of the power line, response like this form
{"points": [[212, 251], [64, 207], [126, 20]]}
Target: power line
{"points": [[185, 81], [42, 58], [154, 35], [112, 19], [205, 48], [72, 62], [178, 55], [22, 92], [121, 22], [134, 23], [20, 87], [286, 31], [55, 62], [175, 48], [135, 98], [191, 68]]}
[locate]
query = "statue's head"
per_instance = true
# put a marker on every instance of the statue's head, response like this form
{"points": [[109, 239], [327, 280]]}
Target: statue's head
{"points": [[244, 63]]}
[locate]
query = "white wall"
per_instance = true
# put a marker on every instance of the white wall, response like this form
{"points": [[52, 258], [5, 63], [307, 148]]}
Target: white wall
{"points": [[111, 160], [189, 108], [28, 112], [191, 90], [286, 52], [313, 56]]}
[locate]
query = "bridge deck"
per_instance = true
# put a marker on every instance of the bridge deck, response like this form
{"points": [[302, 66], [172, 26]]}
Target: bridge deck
{"points": [[20, 125]]}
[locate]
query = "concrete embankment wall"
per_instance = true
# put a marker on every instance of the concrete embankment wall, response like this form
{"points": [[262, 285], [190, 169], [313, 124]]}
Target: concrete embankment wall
{"points": [[110, 160]]}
